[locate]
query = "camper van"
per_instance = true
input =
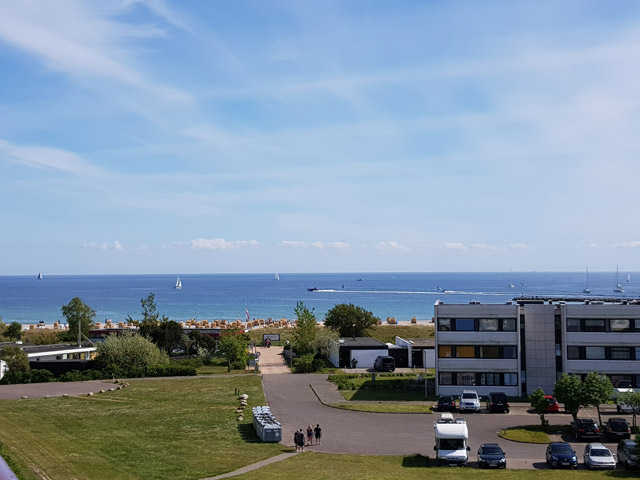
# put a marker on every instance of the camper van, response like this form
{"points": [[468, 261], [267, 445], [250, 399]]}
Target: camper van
{"points": [[452, 440]]}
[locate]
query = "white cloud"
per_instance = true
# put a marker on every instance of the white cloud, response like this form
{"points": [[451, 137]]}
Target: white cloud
{"points": [[338, 245], [454, 246], [115, 245], [485, 246], [220, 244], [518, 246], [46, 157], [593, 245], [316, 245], [391, 246], [635, 244]]}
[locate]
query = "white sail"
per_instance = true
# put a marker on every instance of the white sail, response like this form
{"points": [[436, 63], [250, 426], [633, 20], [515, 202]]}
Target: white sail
{"points": [[586, 290], [178, 283], [40, 276], [628, 277], [618, 286], [276, 277]]}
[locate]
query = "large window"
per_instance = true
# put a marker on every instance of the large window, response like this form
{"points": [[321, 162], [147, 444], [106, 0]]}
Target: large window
{"points": [[445, 351], [488, 324], [466, 378], [446, 378], [620, 325], [489, 352], [573, 353], [620, 353], [573, 325], [490, 379], [465, 351], [508, 324], [465, 324], [444, 324], [594, 353], [595, 325], [509, 351], [511, 379]]}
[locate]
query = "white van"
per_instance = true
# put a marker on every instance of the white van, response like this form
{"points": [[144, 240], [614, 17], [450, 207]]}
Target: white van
{"points": [[452, 440]]}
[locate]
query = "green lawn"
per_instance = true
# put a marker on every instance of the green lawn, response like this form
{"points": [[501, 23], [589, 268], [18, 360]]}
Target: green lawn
{"points": [[219, 367], [385, 407], [384, 395], [155, 429], [312, 466]]}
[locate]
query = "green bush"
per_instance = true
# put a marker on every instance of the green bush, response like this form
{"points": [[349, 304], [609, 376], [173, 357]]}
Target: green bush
{"points": [[383, 380], [239, 364], [78, 376], [41, 376], [189, 362], [13, 377], [303, 364]]}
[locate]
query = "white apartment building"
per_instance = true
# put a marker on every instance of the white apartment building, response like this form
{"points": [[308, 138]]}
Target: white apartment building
{"points": [[525, 344]]}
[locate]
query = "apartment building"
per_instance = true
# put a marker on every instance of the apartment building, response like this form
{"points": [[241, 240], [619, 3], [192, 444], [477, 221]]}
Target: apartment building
{"points": [[525, 344]]}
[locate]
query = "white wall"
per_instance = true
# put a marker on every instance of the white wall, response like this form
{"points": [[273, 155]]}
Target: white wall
{"points": [[429, 357], [3, 368], [334, 354], [366, 358]]}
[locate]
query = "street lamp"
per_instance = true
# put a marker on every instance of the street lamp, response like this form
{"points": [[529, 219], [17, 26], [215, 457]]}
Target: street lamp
{"points": [[353, 332]]}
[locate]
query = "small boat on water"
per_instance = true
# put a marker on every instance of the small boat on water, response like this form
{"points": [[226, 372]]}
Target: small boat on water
{"points": [[276, 277], [178, 285], [586, 290], [511, 285], [40, 276], [628, 278], [618, 286], [314, 289]]}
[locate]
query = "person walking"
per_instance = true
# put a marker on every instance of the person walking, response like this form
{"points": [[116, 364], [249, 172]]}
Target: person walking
{"points": [[309, 436], [318, 433], [298, 439]]}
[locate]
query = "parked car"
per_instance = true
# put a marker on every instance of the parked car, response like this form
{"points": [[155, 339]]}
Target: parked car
{"points": [[554, 406], [560, 454], [617, 428], [469, 400], [491, 455], [585, 428], [446, 403], [625, 454], [497, 402], [596, 455], [384, 363]]}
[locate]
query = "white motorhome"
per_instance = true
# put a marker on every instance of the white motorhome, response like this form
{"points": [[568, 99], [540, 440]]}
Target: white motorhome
{"points": [[452, 440]]}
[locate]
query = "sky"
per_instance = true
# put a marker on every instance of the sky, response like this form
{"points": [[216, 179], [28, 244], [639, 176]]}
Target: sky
{"points": [[231, 136]]}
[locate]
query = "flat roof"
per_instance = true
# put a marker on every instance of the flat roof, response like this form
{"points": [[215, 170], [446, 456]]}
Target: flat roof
{"points": [[422, 342], [43, 349], [361, 342]]}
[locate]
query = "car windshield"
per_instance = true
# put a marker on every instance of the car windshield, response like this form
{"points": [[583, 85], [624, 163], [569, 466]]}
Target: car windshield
{"points": [[562, 448], [466, 395], [445, 399], [451, 444], [587, 423], [493, 450], [600, 452], [618, 425]]}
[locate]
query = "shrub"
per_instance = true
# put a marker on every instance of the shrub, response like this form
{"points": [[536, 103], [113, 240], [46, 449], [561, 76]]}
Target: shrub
{"points": [[239, 364], [123, 353], [41, 376], [78, 376], [303, 364], [188, 362]]}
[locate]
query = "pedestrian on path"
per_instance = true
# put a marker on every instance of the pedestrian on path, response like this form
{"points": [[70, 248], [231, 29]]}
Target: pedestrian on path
{"points": [[298, 439], [318, 432], [309, 436]]}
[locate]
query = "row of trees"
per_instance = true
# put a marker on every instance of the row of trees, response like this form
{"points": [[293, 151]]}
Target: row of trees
{"points": [[596, 389]]}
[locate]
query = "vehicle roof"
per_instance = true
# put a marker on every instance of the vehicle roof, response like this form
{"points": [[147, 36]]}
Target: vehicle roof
{"points": [[617, 419], [451, 430], [557, 444], [597, 445], [629, 443], [489, 445], [585, 420]]}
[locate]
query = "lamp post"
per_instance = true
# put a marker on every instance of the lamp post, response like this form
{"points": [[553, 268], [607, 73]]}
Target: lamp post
{"points": [[353, 332]]}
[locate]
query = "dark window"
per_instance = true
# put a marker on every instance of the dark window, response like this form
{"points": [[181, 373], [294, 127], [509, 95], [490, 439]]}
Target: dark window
{"points": [[466, 378], [465, 324], [620, 353], [444, 324], [594, 325], [573, 324], [508, 324], [573, 353], [489, 352], [446, 378], [489, 379], [509, 351]]}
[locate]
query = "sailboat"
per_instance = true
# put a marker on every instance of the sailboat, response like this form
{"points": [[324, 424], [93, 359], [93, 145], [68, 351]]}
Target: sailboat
{"points": [[178, 285], [586, 290], [39, 276], [628, 277], [276, 277], [618, 287]]}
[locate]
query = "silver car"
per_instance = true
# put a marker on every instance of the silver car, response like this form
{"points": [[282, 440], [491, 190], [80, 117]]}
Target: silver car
{"points": [[596, 455]]}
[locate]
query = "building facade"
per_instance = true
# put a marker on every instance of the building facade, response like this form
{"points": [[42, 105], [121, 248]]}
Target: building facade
{"points": [[522, 345]]}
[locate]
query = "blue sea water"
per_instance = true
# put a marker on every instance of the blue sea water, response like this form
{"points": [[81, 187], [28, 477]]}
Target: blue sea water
{"points": [[26, 299]]}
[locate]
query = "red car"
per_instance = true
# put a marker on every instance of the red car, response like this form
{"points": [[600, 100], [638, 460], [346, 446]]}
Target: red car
{"points": [[554, 406]]}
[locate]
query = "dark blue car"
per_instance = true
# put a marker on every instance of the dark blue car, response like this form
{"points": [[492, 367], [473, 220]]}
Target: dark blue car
{"points": [[491, 455], [560, 454]]}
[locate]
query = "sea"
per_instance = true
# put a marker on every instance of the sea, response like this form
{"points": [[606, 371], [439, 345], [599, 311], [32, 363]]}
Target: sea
{"points": [[28, 300]]}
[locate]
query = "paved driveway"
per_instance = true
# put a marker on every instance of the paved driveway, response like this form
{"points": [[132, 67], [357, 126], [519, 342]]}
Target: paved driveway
{"points": [[297, 405]]}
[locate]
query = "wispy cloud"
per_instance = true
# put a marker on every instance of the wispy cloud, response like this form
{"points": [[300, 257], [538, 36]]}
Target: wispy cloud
{"points": [[454, 246], [316, 245], [47, 157], [518, 246], [635, 244], [115, 245], [220, 244], [485, 246], [391, 246]]}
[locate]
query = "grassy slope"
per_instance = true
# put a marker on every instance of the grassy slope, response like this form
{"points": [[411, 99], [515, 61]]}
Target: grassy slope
{"points": [[155, 429], [312, 466], [388, 333]]}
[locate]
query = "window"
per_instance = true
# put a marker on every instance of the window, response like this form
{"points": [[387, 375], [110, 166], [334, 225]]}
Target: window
{"points": [[594, 325], [488, 324], [489, 379], [466, 378], [509, 351], [508, 324], [620, 353], [594, 353], [444, 324], [489, 352], [446, 378], [465, 351], [573, 324], [511, 379], [620, 325], [573, 353], [637, 353], [465, 324], [445, 351], [637, 324]]}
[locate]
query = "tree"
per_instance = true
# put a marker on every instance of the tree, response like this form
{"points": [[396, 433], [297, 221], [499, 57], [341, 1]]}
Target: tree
{"points": [[321, 345], [16, 358], [305, 331], [3, 327], [232, 347], [77, 312], [596, 389], [119, 354], [567, 390], [631, 399], [150, 317], [350, 320], [539, 404], [14, 330]]}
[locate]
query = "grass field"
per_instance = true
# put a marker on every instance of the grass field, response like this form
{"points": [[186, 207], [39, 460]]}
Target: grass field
{"points": [[155, 429], [316, 466]]}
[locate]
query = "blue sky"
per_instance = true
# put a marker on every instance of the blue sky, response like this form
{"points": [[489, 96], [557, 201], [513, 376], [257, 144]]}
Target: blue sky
{"points": [[260, 136]]}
